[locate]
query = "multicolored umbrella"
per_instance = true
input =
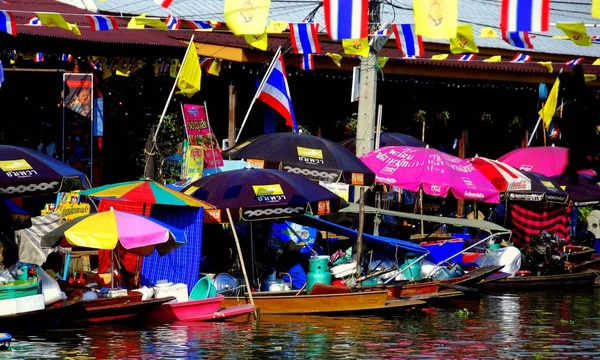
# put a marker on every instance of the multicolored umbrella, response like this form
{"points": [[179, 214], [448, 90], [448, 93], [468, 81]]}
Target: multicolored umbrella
{"points": [[146, 191], [435, 172], [387, 139], [583, 191], [546, 160], [139, 234], [26, 172], [310, 156], [256, 194], [503, 176]]}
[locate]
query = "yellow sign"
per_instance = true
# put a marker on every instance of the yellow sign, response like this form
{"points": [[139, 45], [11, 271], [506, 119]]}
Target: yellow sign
{"points": [[14, 165], [548, 184], [194, 161], [70, 211], [258, 163], [263, 190], [310, 153]]}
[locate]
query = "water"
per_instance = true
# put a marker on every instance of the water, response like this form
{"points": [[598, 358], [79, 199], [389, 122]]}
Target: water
{"points": [[537, 325]]}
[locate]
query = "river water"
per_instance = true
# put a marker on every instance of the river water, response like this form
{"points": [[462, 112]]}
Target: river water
{"points": [[538, 325]]}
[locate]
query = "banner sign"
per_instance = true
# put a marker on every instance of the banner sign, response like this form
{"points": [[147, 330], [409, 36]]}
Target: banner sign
{"points": [[199, 134], [194, 162], [72, 211], [340, 189], [78, 110]]}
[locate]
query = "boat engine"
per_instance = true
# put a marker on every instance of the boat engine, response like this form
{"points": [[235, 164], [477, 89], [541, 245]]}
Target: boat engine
{"points": [[542, 255]]}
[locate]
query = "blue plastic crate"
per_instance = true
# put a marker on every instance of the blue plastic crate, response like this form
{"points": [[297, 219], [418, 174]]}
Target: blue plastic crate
{"points": [[443, 249]]}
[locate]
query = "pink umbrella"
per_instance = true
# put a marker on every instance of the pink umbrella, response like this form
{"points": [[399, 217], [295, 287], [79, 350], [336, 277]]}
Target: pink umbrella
{"points": [[413, 168], [546, 160]]}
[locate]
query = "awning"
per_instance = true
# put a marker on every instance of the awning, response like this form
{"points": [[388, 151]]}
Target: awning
{"points": [[481, 224], [353, 234]]}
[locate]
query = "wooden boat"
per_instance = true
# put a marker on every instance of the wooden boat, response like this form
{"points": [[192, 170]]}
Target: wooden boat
{"points": [[199, 310], [133, 296], [578, 280], [113, 312], [49, 318]]}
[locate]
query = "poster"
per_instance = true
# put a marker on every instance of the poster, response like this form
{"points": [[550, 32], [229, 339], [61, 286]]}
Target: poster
{"points": [[199, 133], [194, 160], [78, 110]]}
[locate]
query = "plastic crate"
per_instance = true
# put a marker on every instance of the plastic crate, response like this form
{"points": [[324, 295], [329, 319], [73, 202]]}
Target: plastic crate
{"points": [[443, 249], [19, 288]]}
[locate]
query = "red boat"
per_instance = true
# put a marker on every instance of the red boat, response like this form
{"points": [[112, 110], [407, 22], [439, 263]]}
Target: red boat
{"points": [[117, 309], [199, 310]]}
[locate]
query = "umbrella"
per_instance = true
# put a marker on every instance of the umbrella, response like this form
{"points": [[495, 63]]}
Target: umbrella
{"points": [[228, 165], [435, 172], [547, 160], [103, 230], [256, 194], [387, 139], [542, 188], [585, 191], [503, 176], [313, 157], [25, 172], [12, 213]]}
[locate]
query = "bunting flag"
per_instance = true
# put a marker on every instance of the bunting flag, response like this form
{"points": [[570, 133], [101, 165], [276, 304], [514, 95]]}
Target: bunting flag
{"points": [[139, 22], [172, 22], [34, 21], [574, 62], [260, 42], [525, 15], [55, 19], [488, 32], [203, 25], [336, 58], [174, 68], [123, 67], [137, 64], [436, 19], [576, 33], [102, 23], [307, 62], [596, 62], [7, 23], [275, 92], [1, 74], [215, 67], [67, 57], [439, 57], [596, 9], [381, 61], [246, 17], [304, 38], [38, 57], [277, 26], [358, 47], [164, 3], [407, 40], [496, 58], [518, 39], [467, 57], [520, 57], [346, 19], [547, 65], [381, 32], [463, 41]]}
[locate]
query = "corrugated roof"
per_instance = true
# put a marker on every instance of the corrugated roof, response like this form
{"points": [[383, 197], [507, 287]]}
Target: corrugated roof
{"points": [[480, 13]]}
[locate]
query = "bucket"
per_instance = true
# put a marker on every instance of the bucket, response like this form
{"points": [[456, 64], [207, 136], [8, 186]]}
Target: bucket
{"points": [[203, 289], [320, 264], [23, 270], [413, 272]]}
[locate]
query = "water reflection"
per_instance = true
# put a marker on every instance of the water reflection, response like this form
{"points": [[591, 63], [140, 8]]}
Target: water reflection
{"points": [[535, 325]]}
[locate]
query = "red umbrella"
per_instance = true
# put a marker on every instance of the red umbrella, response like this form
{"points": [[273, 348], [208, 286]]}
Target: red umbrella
{"points": [[503, 176]]}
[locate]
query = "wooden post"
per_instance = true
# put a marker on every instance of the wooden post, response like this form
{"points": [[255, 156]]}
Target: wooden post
{"points": [[232, 106], [361, 227], [462, 150], [525, 139]]}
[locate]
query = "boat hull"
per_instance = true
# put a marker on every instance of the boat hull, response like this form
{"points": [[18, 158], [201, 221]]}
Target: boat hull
{"points": [[580, 280], [115, 312], [48, 318], [198, 310]]}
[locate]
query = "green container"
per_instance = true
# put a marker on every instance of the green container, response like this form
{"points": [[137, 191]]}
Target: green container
{"points": [[19, 288], [203, 289], [413, 272], [319, 264], [318, 272]]}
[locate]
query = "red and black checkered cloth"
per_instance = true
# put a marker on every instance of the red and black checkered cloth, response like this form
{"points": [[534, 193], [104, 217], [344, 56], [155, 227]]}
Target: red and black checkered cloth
{"points": [[531, 219]]}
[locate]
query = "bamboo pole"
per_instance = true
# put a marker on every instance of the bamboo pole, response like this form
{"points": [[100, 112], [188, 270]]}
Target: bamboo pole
{"points": [[361, 226]]}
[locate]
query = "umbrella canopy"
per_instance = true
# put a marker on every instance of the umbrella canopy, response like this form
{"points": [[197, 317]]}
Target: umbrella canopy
{"points": [[546, 160], [503, 176], [139, 234], [146, 191], [386, 139], [228, 165], [583, 191], [437, 173], [26, 172], [542, 188], [255, 194], [310, 156]]}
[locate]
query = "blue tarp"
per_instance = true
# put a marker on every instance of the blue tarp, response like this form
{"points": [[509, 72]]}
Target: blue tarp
{"points": [[325, 225]]}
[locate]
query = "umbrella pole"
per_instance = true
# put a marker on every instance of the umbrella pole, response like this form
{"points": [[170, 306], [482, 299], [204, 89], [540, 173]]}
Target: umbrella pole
{"points": [[112, 270], [421, 208], [239, 249], [361, 225]]}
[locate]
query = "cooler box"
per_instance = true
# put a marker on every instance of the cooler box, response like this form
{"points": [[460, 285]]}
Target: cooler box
{"points": [[22, 304], [180, 291], [443, 249], [19, 288]]}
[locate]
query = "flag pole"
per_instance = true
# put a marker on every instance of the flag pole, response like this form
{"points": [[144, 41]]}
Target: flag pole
{"points": [[262, 83]]}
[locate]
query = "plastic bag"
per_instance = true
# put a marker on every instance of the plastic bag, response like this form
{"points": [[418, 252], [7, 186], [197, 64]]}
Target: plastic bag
{"points": [[50, 288], [508, 256]]}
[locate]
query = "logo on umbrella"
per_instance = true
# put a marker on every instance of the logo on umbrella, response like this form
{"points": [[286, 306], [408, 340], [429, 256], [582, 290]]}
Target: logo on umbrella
{"points": [[15, 165], [265, 190], [310, 155]]}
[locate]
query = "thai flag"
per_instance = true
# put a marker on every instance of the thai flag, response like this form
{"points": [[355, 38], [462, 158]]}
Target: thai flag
{"points": [[467, 57], [382, 32], [7, 23], [67, 57], [276, 93], [307, 62], [520, 57], [164, 3], [347, 19], [102, 23], [202, 25], [304, 38], [525, 15], [95, 63], [574, 62], [34, 21], [172, 22], [519, 39], [407, 40], [38, 57]]}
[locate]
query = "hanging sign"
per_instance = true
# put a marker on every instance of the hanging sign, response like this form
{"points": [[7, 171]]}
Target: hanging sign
{"points": [[199, 134]]}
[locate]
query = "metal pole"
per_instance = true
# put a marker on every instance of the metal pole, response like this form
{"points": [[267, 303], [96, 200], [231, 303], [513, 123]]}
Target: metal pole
{"points": [[232, 106], [378, 129], [361, 225]]}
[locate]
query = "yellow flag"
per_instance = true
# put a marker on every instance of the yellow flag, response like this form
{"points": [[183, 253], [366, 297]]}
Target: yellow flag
{"points": [[547, 65], [215, 67], [54, 19], [258, 41], [189, 73], [596, 62], [123, 67], [356, 47], [488, 32], [107, 68], [596, 9], [439, 57], [277, 27], [174, 68], [381, 61], [133, 22], [564, 37], [589, 77], [337, 58], [547, 113], [463, 42], [496, 58], [436, 19], [576, 33], [138, 22], [246, 17]]}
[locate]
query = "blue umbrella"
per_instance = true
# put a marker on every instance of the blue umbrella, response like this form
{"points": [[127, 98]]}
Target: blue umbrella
{"points": [[26, 172]]}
